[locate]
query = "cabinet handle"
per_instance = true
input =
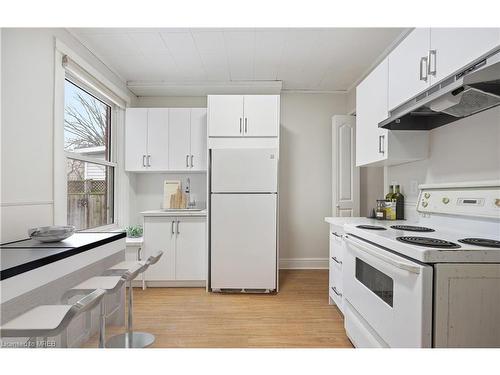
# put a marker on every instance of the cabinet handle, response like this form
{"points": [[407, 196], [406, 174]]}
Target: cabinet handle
{"points": [[424, 63], [335, 233], [144, 161], [172, 228], [246, 123], [432, 62], [187, 161], [149, 160], [178, 231], [192, 165], [336, 260], [240, 124], [381, 139], [336, 292]]}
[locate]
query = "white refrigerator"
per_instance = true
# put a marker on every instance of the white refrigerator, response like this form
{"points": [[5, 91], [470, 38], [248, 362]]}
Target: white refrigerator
{"points": [[243, 219]]}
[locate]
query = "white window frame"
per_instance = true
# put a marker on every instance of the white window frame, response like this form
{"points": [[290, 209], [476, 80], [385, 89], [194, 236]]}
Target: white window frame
{"points": [[110, 95]]}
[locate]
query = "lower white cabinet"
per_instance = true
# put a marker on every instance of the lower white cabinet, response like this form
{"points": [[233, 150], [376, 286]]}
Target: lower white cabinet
{"points": [[182, 240], [335, 289]]}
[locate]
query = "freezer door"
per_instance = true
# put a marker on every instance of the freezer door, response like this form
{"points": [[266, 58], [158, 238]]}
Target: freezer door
{"points": [[244, 170], [243, 241]]}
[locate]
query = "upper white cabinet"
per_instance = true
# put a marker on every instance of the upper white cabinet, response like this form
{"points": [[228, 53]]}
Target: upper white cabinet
{"points": [[453, 48], [376, 146], [180, 134], [225, 115], [136, 135], [428, 55], [243, 115], [371, 108], [165, 139], [408, 68], [157, 158], [198, 146]]}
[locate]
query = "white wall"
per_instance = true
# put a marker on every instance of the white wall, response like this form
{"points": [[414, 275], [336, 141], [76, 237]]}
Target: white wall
{"points": [[465, 150], [27, 125], [305, 173]]}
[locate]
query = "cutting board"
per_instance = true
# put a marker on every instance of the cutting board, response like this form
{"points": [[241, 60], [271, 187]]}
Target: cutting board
{"points": [[170, 188]]}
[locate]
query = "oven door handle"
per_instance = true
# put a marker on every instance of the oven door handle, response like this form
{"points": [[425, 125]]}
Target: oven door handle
{"points": [[392, 260]]}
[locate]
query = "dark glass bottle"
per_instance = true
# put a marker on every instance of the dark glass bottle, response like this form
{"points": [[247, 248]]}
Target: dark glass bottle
{"points": [[400, 203]]}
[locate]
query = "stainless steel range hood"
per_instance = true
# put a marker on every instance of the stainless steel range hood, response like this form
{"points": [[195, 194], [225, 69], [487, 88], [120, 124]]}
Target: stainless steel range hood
{"points": [[469, 91]]}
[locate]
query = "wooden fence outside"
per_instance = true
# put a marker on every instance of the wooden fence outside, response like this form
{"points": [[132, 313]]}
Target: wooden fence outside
{"points": [[87, 203]]}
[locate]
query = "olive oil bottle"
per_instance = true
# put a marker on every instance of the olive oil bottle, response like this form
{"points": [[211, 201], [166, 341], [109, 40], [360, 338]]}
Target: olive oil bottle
{"points": [[400, 203], [390, 194]]}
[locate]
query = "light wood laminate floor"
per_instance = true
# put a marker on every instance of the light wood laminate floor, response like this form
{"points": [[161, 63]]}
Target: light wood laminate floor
{"points": [[298, 316]]}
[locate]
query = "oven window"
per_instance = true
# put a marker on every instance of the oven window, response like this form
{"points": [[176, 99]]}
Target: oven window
{"points": [[378, 282]]}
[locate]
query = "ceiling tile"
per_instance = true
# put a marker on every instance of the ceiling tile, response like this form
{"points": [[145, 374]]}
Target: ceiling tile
{"points": [[240, 46], [149, 43]]}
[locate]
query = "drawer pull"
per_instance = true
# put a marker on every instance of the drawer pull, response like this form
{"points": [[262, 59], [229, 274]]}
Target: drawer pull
{"points": [[337, 235], [336, 292], [336, 260]]}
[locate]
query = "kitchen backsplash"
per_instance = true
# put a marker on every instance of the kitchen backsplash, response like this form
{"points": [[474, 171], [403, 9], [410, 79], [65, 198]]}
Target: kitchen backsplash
{"points": [[466, 150], [147, 191]]}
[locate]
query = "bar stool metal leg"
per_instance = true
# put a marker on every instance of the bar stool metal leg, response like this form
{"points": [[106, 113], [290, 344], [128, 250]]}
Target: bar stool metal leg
{"points": [[102, 325], [131, 339]]}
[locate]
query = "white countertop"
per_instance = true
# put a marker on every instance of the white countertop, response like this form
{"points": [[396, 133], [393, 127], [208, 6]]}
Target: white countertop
{"points": [[201, 213]]}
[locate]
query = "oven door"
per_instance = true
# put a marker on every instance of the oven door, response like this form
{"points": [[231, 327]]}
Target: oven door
{"points": [[389, 297]]}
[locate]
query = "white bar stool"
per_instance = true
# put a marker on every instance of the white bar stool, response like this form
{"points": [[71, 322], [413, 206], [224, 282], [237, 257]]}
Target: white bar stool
{"points": [[111, 285], [131, 339], [49, 320]]}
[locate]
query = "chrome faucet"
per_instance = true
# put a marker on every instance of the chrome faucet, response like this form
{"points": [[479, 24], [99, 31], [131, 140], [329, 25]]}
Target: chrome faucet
{"points": [[191, 202]]}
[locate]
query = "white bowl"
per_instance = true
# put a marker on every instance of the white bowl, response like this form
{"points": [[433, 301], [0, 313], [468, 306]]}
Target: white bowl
{"points": [[52, 233]]}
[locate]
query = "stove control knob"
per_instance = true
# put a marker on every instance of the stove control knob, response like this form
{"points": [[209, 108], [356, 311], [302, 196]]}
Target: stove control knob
{"points": [[427, 195], [497, 202], [446, 200], [425, 204]]}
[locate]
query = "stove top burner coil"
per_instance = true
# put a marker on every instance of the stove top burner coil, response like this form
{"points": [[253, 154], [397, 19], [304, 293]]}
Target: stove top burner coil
{"points": [[429, 242]]}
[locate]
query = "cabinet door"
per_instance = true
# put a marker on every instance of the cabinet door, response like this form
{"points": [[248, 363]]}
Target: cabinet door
{"points": [[179, 136], [371, 108], [136, 126], [261, 115], [225, 115], [159, 234], [456, 47], [405, 67], [157, 158], [198, 160], [190, 249]]}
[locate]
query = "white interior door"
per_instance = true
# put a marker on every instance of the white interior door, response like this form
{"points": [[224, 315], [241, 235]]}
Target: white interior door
{"points": [[159, 234], [198, 159], [179, 136], [345, 174], [225, 115], [190, 249], [157, 158], [136, 126], [243, 241], [261, 115]]}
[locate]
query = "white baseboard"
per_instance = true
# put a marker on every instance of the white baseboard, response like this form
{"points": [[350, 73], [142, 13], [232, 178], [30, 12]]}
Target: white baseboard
{"points": [[171, 284], [303, 263]]}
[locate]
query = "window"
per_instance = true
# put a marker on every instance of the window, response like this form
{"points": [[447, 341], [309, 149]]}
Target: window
{"points": [[89, 163]]}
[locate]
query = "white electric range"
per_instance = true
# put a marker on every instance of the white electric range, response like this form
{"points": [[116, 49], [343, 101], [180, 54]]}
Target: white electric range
{"points": [[434, 282]]}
